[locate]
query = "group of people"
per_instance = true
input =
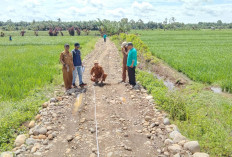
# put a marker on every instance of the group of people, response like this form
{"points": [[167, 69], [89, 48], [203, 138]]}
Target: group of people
{"points": [[72, 66], [129, 62]]}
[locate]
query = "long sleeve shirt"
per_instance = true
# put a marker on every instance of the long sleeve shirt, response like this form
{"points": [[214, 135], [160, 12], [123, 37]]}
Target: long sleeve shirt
{"points": [[97, 71]]}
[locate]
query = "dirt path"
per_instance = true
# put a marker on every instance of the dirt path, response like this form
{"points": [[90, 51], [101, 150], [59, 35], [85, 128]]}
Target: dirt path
{"points": [[128, 125]]}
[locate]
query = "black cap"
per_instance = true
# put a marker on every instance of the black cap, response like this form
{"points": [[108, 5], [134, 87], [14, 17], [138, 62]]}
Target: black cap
{"points": [[129, 43], [66, 45], [77, 44]]}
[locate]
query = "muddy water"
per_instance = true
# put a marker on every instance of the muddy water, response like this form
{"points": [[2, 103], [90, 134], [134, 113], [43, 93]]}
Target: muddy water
{"points": [[167, 83]]}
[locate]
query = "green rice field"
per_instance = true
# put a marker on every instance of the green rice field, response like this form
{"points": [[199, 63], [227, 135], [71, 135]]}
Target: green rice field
{"points": [[204, 56], [29, 71]]}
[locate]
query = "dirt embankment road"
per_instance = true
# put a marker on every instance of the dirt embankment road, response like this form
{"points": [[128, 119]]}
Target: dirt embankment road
{"points": [[127, 123]]}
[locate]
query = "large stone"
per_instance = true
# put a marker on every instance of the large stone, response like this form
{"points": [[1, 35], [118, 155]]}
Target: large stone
{"points": [[173, 134], [178, 138], [69, 138], [37, 117], [30, 141], [168, 142], [31, 124], [43, 131], [192, 146], [166, 121], [35, 147], [45, 105], [175, 148], [148, 118], [200, 155], [20, 140], [7, 154], [149, 97], [53, 100]]}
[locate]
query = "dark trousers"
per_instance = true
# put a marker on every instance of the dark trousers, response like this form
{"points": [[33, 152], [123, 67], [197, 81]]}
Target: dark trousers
{"points": [[131, 75], [104, 39]]}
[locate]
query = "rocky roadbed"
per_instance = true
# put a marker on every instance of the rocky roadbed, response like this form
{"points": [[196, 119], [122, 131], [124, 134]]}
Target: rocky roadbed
{"points": [[129, 124]]}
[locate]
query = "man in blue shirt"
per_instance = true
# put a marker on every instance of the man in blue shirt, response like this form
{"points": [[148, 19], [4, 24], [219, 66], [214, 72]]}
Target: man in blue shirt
{"points": [[104, 36], [131, 63], [76, 54]]}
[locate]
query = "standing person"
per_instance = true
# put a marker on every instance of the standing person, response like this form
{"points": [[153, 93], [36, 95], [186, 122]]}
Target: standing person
{"points": [[131, 63], [104, 36], [67, 61], [124, 61], [10, 38], [76, 54], [97, 74]]}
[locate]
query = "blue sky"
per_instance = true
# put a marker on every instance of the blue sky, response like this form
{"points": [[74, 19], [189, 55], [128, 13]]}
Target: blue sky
{"points": [[187, 11]]}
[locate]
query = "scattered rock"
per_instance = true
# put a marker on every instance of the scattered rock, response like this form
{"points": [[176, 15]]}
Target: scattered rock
{"points": [[53, 100], [127, 148], [175, 148], [200, 155], [38, 153], [178, 138], [37, 117], [35, 148], [45, 105], [192, 146], [42, 137], [45, 142], [110, 154], [31, 124], [152, 125], [148, 118], [149, 97], [50, 136], [173, 134], [82, 120], [20, 140], [92, 155], [166, 153], [177, 155], [68, 151], [17, 152], [30, 141], [168, 142], [92, 130], [166, 121], [43, 131], [69, 138], [7, 154]]}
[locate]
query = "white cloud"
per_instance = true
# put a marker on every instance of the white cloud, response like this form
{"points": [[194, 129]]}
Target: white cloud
{"points": [[157, 10]]}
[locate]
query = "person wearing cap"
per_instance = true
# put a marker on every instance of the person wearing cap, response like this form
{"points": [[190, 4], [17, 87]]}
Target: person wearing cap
{"points": [[97, 74], [76, 54], [67, 60], [131, 63], [124, 61]]}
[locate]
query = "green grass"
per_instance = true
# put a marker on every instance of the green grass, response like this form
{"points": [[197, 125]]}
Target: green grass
{"points": [[29, 71], [200, 114], [204, 56]]}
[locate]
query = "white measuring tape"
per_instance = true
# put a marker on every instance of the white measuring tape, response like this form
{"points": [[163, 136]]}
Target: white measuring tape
{"points": [[94, 99]]}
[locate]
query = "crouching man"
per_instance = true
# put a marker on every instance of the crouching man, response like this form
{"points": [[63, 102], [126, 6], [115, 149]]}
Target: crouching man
{"points": [[97, 74]]}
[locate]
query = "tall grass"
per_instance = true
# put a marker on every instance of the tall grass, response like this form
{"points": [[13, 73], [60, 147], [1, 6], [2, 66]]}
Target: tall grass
{"points": [[200, 114], [29, 71], [204, 56]]}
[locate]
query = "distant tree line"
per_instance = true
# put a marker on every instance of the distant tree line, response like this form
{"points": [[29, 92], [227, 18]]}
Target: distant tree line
{"points": [[110, 27]]}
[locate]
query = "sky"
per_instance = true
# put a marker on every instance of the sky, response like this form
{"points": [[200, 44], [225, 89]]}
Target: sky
{"points": [[187, 11]]}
